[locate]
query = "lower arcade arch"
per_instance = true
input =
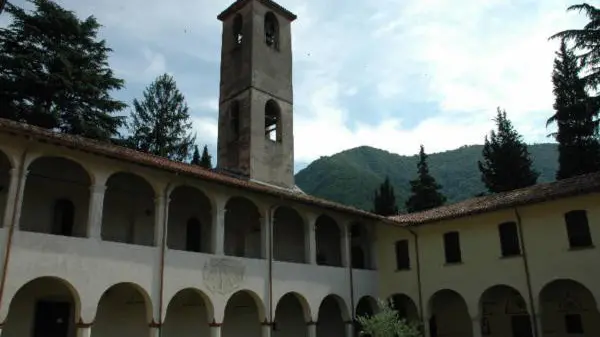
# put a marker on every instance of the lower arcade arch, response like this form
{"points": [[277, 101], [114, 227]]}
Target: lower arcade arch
{"points": [[46, 306], [568, 308], [366, 307], [291, 316], [124, 309], [503, 313], [244, 314], [188, 314], [405, 306], [333, 316], [449, 315]]}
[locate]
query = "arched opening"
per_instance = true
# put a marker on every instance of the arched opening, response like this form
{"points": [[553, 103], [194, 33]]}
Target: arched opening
{"points": [[568, 309], [190, 218], [360, 247], [503, 313], [242, 228], [56, 198], [124, 310], [291, 316], [188, 315], [449, 315], [288, 236], [238, 25], [242, 316], [329, 242], [5, 168], [271, 31], [366, 307], [273, 121], [405, 306], [331, 317], [128, 214], [46, 306]]}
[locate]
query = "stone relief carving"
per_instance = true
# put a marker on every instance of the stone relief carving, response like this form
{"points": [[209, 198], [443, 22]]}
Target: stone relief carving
{"points": [[223, 276]]}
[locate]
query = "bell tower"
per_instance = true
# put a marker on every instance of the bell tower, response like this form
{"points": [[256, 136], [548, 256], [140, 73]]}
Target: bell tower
{"points": [[255, 96]]}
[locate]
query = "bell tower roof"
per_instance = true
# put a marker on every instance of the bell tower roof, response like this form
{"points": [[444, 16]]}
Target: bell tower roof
{"points": [[238, 4]]}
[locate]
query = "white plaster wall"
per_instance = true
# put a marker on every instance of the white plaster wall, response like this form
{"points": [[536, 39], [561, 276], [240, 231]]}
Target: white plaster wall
{"points": [[129, 207], [60, 179], [187, 316]]}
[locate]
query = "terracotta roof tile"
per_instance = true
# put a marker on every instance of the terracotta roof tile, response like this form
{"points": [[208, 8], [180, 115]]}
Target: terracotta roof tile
{"points": [[579, 185], [234, 7], [125, 154]]}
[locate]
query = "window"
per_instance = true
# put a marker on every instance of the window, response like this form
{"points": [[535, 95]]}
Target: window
{"points": [[271, 31], [234, 116], [193, 235], [452, 247], [238, 25], [578, 229], [573, 324], [402, 255], [272, 121], [509, 239], [358, 258], [64, 217]]}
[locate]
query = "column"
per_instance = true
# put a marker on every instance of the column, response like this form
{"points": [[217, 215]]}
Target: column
{"points": [[350, 329], [154, 331], [266, 330], [311, 240], [476, 327], [346, 247], [11, 197], [19, 198], [215, 330], [84, 330], [266, 231], [218, 228], [311, 327], [95, 211], [160, 219]]}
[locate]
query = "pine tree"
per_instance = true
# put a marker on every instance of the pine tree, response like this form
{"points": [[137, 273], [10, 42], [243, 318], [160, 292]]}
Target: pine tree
{"points": [[160, 123], [578, 147], [54, 72], [206, 159], [506, 161], [425, 190], [384, 202], [196, 156]]}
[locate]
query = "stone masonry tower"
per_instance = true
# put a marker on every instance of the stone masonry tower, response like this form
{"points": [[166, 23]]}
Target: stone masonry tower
{"points": [[255, 100]]}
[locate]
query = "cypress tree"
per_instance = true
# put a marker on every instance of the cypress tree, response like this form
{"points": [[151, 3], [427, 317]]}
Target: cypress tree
{"points": [[54, 72], [425, 190], [384, 202], [160, 122], [506, 161], [196, 156], [578, 147], [205, 160]]}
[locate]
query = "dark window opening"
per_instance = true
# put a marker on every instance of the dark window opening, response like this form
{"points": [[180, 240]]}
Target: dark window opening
{"points": [[521, 326], [52, 319], [64, 217], [433, 327], [452, 247], [578, 229], [402, 255], [573, 324], [271, 31], [509, 239], [193, 235], [358, 258], [272, 121], [237, 29], [235, 120]]}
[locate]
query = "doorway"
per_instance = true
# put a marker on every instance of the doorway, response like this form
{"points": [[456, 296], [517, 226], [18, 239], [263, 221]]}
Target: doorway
{"points": [[521, 326], [52, 319]]}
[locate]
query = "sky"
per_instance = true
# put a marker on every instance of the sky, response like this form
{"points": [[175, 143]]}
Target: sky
{"points": [[392, 74]]}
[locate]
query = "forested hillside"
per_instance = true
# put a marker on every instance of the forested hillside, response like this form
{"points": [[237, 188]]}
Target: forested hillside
{"points": [[350, 177]]}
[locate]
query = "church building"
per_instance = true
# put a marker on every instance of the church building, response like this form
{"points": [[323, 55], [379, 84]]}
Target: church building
{"points": [[103, 241]]}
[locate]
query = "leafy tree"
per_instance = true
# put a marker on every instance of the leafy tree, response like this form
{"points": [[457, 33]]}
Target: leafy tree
{"points": [[424, 188], [160, 121], [54, 72], [586, 41], [578, 149], [384, 202], [506, 161], [387, 323], [196, 156], [206, 159]]}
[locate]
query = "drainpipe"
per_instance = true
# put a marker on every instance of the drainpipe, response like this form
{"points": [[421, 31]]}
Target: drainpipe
{"points": [[527, 274], [11, 229], [163, 248], [419, 285]]}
